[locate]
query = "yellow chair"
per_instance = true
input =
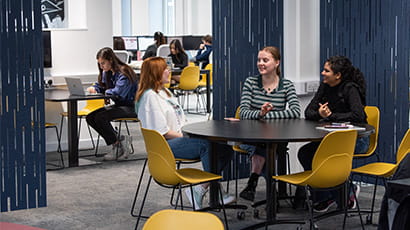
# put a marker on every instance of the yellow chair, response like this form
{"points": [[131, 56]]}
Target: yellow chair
{"points": [[169, 219], [202, 82], [331, 167], [89, 107], [162, 167], [373, 119], [54, 126], [384, 169], [188, 83]]}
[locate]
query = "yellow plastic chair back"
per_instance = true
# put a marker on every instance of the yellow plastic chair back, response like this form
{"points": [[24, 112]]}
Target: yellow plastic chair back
{"points": [[373, 119], [404, 147], [332, 161], [202, 82], [191, 63], [236, 147], [189, 78], [331, 164], [183, 220], [238, 113], [161, 161], [91, 106]]}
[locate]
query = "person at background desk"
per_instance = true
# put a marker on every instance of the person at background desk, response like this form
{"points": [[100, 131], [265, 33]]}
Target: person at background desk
{"points": [[158, 110], [152, 49], [178, 56], [266, 96], [341, 97], [205, 49], [118, 80]]}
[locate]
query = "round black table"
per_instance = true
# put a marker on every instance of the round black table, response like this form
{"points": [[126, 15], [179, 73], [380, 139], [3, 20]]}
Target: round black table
{"points": [[256, 132]]}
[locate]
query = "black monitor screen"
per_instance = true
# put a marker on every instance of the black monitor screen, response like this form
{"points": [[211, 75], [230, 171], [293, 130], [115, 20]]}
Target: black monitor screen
{"points": [[192, 42], [145, 41], [47, 49]]}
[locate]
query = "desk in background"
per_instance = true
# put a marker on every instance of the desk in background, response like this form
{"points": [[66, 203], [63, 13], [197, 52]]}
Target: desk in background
{"points": [[62, 95]]}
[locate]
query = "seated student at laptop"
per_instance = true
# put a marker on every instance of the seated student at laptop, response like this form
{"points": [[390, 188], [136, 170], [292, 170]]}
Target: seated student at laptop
{"points": [[118, 80]]}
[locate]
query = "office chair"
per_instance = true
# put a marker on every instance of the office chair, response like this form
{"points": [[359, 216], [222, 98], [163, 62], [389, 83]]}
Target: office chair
{"points": [[188, 83], [54, 126], [169, 219], [162, 167], [373, 119], [334, 152], [123, 55], [163, 51], [384, 169]]}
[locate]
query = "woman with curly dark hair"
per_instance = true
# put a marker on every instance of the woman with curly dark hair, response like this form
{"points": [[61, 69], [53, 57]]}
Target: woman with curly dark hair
{"points": [[341, 97]]}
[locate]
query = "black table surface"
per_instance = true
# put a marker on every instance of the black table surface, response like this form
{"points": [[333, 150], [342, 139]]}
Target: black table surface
{"points": [[59, 94], [279, 130]]}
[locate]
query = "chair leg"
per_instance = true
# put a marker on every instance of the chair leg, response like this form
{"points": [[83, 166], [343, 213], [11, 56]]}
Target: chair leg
{"points": [[143, 203], [369, 218], [223, 206], [171, 201], [138, 188], [59, 147], [309, 203]]}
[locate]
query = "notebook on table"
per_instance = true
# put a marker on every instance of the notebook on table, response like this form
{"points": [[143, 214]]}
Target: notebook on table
{"points": [[75, 87]]}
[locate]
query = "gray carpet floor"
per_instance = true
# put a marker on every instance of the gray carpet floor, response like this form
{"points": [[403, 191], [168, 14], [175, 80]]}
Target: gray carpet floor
{"points": [[100, 196]]}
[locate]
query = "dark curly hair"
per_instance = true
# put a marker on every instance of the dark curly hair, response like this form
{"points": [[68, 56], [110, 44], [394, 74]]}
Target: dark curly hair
{"points": [[342, 65]]}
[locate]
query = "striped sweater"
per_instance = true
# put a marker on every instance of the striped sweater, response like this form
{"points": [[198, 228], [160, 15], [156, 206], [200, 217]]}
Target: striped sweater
{"points": [[254, 96]]}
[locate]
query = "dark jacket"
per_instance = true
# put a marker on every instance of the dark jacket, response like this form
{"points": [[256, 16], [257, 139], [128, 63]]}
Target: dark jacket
{"points": [[344, 101], [150, 52], [180, 60]]}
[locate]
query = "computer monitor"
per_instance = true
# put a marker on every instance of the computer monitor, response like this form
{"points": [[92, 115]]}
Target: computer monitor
{"points": [[191, 42], [47, 49], [130, 42], [144, 42]]}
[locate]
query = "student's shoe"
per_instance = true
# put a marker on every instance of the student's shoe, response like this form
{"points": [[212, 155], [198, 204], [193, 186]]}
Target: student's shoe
{"points": [[351, 203], [227, 198], [125, 146], [248, 193], [113, 155], [199, 193], [323, 206]]}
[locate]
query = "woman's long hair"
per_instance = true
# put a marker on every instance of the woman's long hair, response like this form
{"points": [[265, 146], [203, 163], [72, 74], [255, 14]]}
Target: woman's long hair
{"points": [[342, 65], [151, 76], [116, 64], [178, 48]]}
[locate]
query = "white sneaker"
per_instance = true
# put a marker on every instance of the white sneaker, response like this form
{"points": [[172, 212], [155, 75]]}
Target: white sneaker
{"points": [[125, 147], [199, 193], [227, 198], [113, 155]]}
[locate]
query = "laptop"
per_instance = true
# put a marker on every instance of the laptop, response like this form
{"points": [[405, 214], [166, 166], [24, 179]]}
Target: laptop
{"points": [[75, 87]]}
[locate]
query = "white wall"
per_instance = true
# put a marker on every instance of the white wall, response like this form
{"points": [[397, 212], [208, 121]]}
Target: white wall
{"points": [[73, 53], [74, 50]]}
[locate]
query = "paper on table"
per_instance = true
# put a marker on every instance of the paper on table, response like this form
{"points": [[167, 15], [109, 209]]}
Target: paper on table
{"points": [[331, 128]]}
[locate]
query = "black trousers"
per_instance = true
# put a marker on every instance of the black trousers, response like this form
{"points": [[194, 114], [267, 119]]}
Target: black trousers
{"points": [[100, 120]]}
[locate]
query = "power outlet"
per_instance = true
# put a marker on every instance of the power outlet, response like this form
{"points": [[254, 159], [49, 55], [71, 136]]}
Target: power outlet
{"points": [[312, 86]]}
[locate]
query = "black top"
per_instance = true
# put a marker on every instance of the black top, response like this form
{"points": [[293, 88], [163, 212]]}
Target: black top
{"points": [[344, 102], [151, 51], [180, 60]]}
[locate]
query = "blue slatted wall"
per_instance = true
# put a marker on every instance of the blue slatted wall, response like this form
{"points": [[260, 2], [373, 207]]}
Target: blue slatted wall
{"points": [[375, 35], [22, 153], [240, 29]]}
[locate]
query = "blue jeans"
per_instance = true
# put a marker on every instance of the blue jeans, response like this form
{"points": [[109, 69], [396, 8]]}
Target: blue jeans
{"points": [[192, 148]]}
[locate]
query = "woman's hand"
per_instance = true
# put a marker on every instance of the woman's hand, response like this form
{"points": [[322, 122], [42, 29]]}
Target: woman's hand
{"points": [[324, 110], [266, 107], [91, 89]]}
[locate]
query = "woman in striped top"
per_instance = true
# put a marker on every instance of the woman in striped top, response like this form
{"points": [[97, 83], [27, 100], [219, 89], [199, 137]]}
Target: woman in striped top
{"points": [[266, 96]]}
